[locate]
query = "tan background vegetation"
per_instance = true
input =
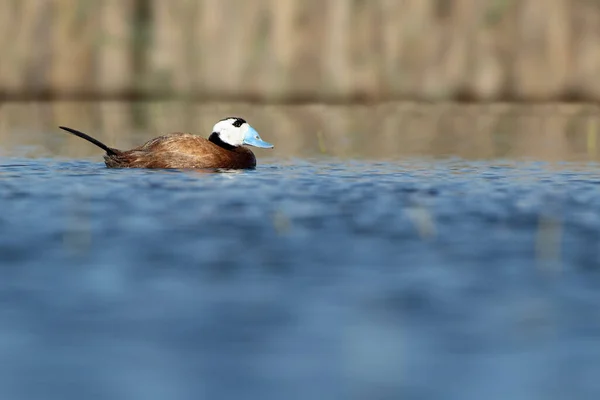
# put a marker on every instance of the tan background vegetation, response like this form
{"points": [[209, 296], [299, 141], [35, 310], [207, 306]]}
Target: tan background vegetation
{"points": [[329, 50]]}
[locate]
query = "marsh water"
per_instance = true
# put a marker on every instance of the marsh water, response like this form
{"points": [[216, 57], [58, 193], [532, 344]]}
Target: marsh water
{"points": [[378, 252]]}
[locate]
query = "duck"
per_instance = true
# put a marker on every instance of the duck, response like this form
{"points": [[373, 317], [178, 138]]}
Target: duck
{"points": [[224, 149]]}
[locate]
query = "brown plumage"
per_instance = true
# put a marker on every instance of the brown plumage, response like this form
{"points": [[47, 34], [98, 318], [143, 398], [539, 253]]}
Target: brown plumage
{"points": [[176, 150]]}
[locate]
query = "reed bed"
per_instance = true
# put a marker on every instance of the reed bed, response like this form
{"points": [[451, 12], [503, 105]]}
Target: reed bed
{"points": [[301, 50]]}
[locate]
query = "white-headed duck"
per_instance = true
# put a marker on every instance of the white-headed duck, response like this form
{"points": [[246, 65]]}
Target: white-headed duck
{"points": [[223, 149]]}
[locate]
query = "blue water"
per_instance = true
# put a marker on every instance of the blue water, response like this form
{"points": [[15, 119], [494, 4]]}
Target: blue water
{"points": [[420, 279]]}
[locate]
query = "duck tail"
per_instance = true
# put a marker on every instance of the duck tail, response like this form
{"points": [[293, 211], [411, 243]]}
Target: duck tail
{"points": [[109, 151]]}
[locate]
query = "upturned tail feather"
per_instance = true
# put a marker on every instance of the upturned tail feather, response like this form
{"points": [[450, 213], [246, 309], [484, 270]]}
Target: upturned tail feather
{"points": [[109, 151]]}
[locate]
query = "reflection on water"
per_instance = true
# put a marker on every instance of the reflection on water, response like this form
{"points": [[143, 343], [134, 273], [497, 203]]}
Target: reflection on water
{"points": [[311, 276], [386, 131]]}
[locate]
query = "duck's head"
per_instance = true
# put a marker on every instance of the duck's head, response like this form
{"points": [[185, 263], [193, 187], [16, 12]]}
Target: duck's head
{"points": [[235, 132]]}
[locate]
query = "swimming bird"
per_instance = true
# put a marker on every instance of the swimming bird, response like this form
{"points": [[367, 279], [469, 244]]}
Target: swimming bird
{"points": [[223, 149]]}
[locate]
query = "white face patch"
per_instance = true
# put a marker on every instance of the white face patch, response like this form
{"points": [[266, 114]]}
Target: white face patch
{"points": [[230, 133]]}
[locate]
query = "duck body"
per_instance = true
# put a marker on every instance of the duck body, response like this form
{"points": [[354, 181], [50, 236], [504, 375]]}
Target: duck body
{"points": [[181, 151], [223, 149]]}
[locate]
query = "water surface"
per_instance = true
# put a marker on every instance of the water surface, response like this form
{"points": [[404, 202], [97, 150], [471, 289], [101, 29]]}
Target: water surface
{"points": [[313, 276]]}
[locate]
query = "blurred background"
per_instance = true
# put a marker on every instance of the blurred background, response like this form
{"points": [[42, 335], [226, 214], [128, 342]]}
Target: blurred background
{"points": [[291, 50], [273, 60]]}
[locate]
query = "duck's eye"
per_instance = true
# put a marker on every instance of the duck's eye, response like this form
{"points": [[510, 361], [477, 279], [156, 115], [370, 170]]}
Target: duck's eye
{"points": [[256, 137]]}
